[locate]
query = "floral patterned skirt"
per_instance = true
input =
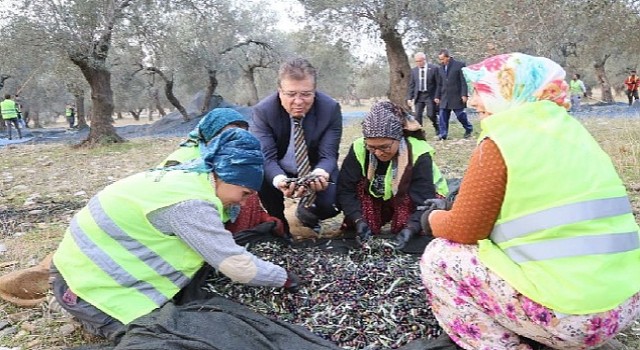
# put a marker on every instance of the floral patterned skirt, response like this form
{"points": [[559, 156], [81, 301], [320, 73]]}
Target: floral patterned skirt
{"points": [[479, 310]]}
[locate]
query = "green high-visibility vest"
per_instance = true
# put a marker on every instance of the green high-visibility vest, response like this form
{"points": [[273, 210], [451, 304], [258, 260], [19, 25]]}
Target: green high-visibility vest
{"points": [[575, 87], [9, 109], [418, 148], [565, 236], [183, 154], [115, 259], [68, 112]]}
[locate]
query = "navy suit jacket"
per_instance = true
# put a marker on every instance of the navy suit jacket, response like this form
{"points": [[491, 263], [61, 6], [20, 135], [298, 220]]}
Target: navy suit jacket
{"points": [[452, 86], [414, 82], [322, 132]]}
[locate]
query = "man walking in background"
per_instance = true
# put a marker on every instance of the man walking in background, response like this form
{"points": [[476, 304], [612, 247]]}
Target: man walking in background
{"points": [[423, 83], [578, 90], [451, 94], [9, 110], [631, 83]]}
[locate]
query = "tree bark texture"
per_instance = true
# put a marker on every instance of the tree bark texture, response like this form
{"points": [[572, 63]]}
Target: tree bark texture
{"points": [[601, 76], [80, 113], [168, 92], [398, 65], [252, 90], [211, 89], [99, 78]]}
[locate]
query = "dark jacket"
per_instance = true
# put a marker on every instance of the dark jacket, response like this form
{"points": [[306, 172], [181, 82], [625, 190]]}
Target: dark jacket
{"points": [[418, 183], [452, 86], [322, 131], [414, 82]]}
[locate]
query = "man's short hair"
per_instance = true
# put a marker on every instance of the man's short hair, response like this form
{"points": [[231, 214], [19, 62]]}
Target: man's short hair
{"points": [[296, 69], [444, 52], [577, 75], [7, 96], [633, 71]]}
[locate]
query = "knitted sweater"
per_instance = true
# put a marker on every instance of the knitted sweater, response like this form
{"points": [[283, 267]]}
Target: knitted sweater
{"points": [[479, 199], [198, 224]]}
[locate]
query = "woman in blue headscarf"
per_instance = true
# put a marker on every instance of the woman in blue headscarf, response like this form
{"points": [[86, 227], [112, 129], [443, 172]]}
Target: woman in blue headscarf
{"points": [[140, 241], [252, 213]]}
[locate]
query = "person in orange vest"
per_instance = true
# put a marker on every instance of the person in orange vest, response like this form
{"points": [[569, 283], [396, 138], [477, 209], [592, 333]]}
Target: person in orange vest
{"points": [[631, 83]]}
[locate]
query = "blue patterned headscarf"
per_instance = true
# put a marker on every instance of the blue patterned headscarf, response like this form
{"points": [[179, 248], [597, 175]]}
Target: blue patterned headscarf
{"points": [[235, 156], [212, 123], [509, 80]]}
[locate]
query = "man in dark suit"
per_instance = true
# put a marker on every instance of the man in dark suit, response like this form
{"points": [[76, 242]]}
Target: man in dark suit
{"points": [[297, 101], [451, 94], [423, 84]]}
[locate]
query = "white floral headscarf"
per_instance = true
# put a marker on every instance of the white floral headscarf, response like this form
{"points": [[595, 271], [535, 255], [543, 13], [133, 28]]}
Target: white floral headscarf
{"points": [[509, 80]]}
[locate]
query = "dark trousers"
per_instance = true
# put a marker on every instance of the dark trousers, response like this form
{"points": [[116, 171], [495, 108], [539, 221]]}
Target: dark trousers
{"points": [[425, 103], [324, 206], [15, 123], [445, 114], [71, 120], [631, 95]]}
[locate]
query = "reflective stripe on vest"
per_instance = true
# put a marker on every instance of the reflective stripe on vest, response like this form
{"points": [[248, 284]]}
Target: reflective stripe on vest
{"points": [[112, 248], [150, 258], [562, 215], [8, 108], [565, 236], [574, 246], [110, 267]]}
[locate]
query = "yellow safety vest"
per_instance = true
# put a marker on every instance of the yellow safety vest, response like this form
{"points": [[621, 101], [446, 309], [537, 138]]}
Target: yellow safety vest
{"points": [[9, 109], [115, 259], [418, 148], [565, 236], [183, 154]]}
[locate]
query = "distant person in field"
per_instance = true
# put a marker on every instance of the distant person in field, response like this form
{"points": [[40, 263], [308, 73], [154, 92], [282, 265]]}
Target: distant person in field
{"points": [[251, 213], [387, 175], [421, 91], [632, 83], [149, 239], [451, 95], [10, 113], [70, 114], [541, 245], [299, 129], [578, 91]]}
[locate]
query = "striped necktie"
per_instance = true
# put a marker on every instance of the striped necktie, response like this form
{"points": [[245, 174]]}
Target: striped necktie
{"points": [[302, 159]]}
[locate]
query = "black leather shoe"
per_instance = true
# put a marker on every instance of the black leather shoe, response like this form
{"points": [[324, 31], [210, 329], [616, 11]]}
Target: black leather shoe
{"points": [[467, 135]]}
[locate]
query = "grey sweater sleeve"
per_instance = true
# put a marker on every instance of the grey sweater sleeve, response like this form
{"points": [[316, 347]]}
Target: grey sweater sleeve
{"points": [[198, 223]]}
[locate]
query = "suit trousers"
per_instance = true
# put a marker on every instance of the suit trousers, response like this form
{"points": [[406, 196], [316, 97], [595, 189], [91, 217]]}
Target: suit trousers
{"points": [[444, 116], [424, 103], [324, 206]]}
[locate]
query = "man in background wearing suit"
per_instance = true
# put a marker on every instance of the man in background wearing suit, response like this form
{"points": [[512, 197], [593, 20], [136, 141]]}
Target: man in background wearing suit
{"points": [[423, 83], [275, 120], [451, 94]]}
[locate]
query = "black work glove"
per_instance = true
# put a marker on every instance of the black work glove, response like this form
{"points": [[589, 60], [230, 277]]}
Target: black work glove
{"points": [[403, 237], [292, 284], [363, 230], [430, 205], [436, 204]]}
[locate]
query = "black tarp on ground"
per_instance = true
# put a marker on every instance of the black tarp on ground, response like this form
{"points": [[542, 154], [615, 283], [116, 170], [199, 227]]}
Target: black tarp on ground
{"points": [[214, 324]]}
